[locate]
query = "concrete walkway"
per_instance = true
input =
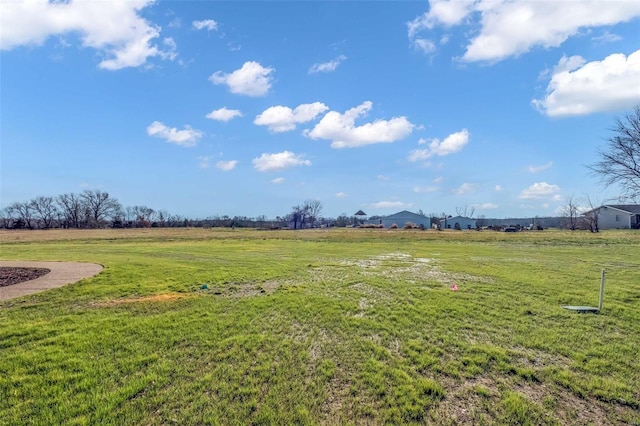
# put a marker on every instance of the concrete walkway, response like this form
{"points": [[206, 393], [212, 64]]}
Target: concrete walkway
{"points": [[62, 273]]}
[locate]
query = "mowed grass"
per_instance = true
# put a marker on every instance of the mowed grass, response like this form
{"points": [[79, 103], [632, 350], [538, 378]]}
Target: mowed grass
{"points": [[325, 327]]}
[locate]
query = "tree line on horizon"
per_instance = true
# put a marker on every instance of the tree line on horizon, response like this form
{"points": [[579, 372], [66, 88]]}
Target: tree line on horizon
{"points": [[94, 209], [89, 209]]}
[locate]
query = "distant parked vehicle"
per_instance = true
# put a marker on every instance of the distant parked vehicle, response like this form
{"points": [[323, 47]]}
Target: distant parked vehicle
{"points": [[510, 229]]}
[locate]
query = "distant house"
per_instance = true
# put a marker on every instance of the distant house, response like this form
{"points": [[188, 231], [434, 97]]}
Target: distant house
{"points": [[458, 222], [617, 216], [400, 219]]}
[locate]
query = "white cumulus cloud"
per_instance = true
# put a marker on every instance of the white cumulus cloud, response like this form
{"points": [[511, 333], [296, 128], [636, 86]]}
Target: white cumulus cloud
{"points": [[450, 145], [227, 165], [578, 87], [444, 12], [224, 114], [341, 195], [114, 28], [279, 161], [252, 79], [187, 137], [207, 24], [282, 119], [342, 131], [327, 66], [540, 190], [277, 180], [447, 13], [510, 28]]}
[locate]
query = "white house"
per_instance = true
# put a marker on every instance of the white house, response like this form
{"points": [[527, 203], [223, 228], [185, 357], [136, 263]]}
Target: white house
{"points": [[618, 216], [400, 219]]}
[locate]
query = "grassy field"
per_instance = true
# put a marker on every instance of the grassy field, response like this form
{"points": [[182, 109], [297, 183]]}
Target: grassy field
{"points": [[325, 327]]}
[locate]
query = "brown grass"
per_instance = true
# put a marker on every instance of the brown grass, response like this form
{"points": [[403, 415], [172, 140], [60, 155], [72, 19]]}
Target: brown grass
{"points": [[156, 298]]}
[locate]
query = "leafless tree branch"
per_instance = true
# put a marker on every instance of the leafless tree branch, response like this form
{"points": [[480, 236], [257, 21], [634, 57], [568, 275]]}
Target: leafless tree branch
{"points": [[620, 159]]}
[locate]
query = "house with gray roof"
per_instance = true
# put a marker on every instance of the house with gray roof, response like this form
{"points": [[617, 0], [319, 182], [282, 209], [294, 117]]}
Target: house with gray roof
{"points": [[617, 216]]}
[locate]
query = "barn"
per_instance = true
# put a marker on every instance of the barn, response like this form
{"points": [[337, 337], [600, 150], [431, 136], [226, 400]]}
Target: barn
{"points": [[458, 222], [400, 219]]}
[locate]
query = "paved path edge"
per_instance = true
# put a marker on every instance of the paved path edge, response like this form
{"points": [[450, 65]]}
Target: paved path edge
{"points": [[62, 273]]}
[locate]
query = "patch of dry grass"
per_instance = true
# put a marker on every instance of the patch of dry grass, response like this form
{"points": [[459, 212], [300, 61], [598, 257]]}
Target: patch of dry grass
{"points": [[156, 298]]}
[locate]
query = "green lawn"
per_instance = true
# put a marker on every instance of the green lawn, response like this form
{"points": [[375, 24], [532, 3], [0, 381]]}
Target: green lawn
{"points": [[325, 327]]}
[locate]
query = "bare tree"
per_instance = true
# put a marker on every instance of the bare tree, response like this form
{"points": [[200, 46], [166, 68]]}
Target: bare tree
{"points": [[23, 213], [342, 220], [7, 217], [162, 216], [591, 216], [129, 215], [45, 211], [72, 210], [142, 215], [620, 160], [175, 221], [313, 209], [466, 211], [570, 211], [261, 221], [100, 206], [298, 216]]}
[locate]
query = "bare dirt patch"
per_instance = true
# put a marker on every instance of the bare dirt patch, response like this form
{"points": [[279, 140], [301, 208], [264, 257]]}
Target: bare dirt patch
{"points": [[402, 266], [11, 275]]}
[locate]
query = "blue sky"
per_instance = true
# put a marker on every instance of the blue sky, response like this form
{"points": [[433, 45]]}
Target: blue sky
{"points": [[247, 108]]}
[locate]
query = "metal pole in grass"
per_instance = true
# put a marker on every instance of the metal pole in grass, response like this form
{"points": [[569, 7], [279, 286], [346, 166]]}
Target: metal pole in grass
{"points": [[601, 290]]}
